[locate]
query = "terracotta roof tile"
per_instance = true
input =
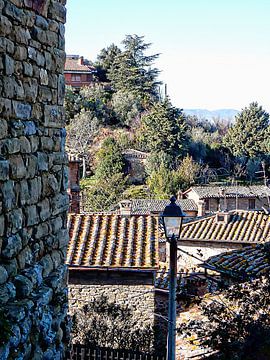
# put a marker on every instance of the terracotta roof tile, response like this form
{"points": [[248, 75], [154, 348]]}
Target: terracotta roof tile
{"points": [[260, 191], [74, 65], [148, 206], [113, 240], [242, 226], [253, 261]]}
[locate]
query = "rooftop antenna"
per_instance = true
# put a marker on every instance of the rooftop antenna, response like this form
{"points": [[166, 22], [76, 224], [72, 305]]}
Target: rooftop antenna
{"points": [[265, 180]]}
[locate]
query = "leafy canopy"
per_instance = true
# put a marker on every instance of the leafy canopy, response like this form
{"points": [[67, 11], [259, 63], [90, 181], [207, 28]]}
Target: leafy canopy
{"points": [[164, 129], [249, 135]]}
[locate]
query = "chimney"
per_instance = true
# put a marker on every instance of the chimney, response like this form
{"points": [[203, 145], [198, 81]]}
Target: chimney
{"points": [[180, 195], [74, 185], [201, 208], [223, 217], [80, 60], [125, 207]]}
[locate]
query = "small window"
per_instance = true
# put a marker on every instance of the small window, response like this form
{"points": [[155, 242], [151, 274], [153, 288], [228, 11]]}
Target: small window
{"points": [[251, 204], [207, 206], [75, 78]]}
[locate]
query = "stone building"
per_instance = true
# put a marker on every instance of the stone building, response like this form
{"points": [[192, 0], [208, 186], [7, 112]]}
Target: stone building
{"points": [[78, 72], [33, 180], [74, 190], [116, 256], [210, 199], [135, 160], [155, 207], [220, 233]]}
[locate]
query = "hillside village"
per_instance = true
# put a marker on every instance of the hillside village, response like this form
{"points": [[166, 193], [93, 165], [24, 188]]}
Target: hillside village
{"points": [[118, 249], [128, 229]]}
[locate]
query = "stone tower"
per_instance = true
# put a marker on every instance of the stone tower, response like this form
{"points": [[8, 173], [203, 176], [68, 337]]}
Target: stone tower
{"points": [[33, 180]]}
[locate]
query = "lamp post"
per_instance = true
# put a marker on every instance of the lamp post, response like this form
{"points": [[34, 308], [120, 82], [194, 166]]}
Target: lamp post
{"points": [[172, 219]]}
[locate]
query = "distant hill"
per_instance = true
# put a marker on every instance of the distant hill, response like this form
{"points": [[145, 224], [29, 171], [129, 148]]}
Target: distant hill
{"points": [[207, 114]]}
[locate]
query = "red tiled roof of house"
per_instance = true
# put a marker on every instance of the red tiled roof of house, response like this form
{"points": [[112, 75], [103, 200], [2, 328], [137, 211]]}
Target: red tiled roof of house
{"points": [[73, 64], [112, 240], [242, 227]]}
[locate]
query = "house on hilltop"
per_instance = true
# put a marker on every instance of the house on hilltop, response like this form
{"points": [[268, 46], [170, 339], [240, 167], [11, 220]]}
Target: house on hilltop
{"points": [[210, 199], [78, 72]]}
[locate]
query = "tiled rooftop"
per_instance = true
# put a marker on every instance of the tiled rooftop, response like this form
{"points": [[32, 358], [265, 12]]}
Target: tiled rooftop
{"points": [[148, 206], [260, 191], [112, 240], [250, 262], [72, 64], [242, 227]]}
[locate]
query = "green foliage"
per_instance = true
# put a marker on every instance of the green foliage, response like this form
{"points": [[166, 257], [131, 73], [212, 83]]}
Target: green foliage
{"points": [[156, 159], [164, 129], [106, 192], [249, 135], [105, 60], [162, 183], [109, 160], [108, 184], [96, 99], [127, 108], [237, 322], [131, 70], [186, 173], [72, 103], [108, 324], [136, 192]]}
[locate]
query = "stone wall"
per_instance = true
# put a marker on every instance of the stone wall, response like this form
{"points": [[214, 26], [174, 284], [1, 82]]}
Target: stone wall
{"points": [[202, 251], [33, 180]]}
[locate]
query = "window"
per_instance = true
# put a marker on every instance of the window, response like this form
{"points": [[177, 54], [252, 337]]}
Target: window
{"points": [[207, 206], [75, 78], [251, 204]]}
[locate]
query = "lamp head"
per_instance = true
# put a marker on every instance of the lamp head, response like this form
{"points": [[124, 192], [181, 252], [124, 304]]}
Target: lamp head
{"points": [[172, 218]]}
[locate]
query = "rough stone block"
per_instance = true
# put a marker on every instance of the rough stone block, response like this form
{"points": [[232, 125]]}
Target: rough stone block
{"points": [[8, 195], [17, 166], [3, 129], [3, 275], [44, 209], [54, 116], [4, 171], [23, 286], [9, 65], [30, 128], [15, 220], [22, 111], [12, 245], [31, 214]]}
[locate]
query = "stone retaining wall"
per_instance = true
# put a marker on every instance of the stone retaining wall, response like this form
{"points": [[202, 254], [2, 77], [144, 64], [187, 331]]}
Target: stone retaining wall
{"points": [[141, 298], [33, 180]]}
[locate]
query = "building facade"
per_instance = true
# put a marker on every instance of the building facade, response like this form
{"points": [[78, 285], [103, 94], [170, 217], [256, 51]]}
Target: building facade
{"points": [[211, 199], [78, 72]]}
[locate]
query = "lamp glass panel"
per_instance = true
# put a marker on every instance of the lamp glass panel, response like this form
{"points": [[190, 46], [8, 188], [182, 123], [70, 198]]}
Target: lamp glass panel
{"points": [[172, 226]]}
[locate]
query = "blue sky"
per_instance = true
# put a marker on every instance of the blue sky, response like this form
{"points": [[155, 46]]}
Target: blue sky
{"points": [[214, 53]]}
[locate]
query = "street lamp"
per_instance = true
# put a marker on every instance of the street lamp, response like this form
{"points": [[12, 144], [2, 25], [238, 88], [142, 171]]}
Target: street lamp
{"points": [[172, 219]]}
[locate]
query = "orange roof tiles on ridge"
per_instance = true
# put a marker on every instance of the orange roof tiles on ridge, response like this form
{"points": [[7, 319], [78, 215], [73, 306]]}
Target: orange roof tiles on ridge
{"points": [[112, 240]]}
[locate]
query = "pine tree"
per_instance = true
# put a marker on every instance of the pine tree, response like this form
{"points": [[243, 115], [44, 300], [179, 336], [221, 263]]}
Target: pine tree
{"points": [[131, 70], [105, 60], [249, 135], [164, 129]]}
